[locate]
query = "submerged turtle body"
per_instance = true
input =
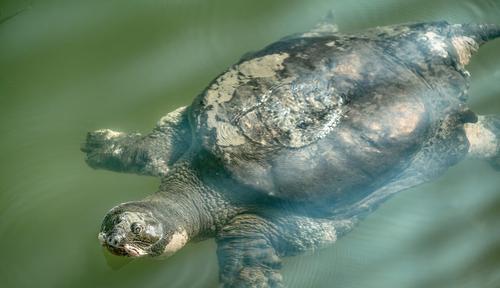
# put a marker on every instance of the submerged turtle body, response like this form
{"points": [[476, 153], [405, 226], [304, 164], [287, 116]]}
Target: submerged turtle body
{"points": [[287, 149], [320, 117]]}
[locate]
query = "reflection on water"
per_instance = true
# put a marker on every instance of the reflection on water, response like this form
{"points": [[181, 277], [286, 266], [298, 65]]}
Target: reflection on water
{"points": [[67, 67]]}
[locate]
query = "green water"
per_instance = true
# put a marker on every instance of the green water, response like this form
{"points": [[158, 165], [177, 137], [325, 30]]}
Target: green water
{"points": [[68, 67]]}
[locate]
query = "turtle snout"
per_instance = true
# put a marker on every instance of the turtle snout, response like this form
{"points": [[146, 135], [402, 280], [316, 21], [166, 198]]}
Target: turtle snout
{"points": [[115, 240]]}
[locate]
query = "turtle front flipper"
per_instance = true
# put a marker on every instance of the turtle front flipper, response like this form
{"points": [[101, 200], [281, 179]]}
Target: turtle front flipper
{"points": [[484, 139], [247, 256], [150, 154], [250, 247]]}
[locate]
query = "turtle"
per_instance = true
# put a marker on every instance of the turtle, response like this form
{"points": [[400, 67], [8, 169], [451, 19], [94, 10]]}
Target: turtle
{"points": [[292, 146]]}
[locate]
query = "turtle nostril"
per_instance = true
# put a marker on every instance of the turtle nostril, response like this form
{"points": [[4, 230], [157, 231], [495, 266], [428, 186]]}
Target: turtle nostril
{"points": [[114, 240]]}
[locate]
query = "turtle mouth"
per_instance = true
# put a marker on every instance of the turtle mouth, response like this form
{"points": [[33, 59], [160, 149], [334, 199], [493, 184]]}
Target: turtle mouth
{"points": [[127, 249], [134, 251]]}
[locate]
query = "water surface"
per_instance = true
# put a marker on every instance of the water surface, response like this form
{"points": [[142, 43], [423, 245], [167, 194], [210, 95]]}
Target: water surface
{"points": [[68, 67]]}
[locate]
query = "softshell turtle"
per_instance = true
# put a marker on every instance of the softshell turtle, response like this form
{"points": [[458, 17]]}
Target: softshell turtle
{"points": [[289, 148]]}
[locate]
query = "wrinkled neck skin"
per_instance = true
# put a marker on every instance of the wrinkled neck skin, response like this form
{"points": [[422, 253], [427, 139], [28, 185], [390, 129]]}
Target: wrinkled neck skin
{"points": [[190, 205]]}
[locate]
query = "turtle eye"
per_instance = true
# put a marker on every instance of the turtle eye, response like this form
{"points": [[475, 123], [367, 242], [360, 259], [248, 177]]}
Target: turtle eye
{"points": [[136, 228]]}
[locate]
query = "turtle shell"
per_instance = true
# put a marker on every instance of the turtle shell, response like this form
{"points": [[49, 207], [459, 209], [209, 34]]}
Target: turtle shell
{"points": [[330, 116]]}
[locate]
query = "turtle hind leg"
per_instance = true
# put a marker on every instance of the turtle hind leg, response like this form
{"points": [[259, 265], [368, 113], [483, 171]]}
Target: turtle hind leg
{"points": [[484, 139], [250, 246], [246, 254], [150, 154]]}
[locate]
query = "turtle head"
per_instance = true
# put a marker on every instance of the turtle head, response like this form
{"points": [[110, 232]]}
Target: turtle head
{"points": [[135, 230], [130, 229]]}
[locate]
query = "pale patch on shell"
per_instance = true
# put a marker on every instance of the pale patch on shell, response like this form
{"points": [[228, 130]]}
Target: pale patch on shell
{"points": [[283, 113], [222, 91], [464, 46], [263, 67], [228, 135], [482, 142], [436, 44], [179, 239]]}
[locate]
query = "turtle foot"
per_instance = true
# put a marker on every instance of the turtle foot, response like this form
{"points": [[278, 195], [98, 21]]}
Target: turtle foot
{"points": [[247, 258], [255, 277], [102, 149]]}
